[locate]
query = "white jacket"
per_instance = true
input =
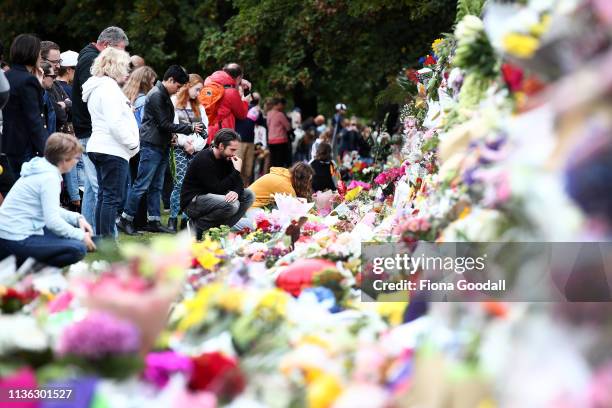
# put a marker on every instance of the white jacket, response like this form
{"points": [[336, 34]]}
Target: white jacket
{"points": [[114, 127]]}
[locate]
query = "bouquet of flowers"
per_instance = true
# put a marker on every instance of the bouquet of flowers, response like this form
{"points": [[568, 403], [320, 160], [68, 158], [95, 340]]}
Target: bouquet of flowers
{"points": [[102, 343]]}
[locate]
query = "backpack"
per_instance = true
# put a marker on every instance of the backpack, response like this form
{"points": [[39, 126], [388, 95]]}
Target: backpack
{"points": [[209, 97]]}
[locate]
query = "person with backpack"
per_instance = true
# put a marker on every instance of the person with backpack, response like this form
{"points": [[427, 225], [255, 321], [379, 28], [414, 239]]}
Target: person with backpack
{"points": [[226, 97]]}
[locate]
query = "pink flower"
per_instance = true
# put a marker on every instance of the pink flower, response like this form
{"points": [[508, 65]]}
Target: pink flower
{"points": [[355, 183], [160, 366]]}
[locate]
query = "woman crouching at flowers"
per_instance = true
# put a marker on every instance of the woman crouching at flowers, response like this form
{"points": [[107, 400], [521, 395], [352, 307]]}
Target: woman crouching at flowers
{"points": [[295, 182], [187, 110], [32, 223]]}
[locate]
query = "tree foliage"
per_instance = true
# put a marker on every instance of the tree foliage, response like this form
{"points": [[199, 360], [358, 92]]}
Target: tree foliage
{"points": [[316, 52]]}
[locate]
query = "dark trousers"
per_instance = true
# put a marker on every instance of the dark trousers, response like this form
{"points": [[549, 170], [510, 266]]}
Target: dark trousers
{"points": [[211, 210], [112, 173], [48, 248]]}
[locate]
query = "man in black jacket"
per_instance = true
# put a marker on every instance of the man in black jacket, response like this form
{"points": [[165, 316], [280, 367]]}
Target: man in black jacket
{"points": [[212, 192], [155, 138], [110, 37]]}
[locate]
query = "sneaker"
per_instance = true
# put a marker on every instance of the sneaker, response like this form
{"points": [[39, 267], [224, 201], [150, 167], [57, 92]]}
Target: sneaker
{"points": [[156, 226], [126, 226]]}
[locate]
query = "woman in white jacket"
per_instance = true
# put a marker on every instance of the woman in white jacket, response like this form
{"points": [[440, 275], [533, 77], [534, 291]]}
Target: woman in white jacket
{"points": [[114, 137], [187, 109]]}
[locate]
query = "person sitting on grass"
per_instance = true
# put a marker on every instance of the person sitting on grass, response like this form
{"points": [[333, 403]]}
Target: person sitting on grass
{"points": [[213, 193], [32, 223]]}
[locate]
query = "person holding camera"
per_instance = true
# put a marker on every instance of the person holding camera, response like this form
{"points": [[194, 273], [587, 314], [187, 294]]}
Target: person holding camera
{"points": [[226, 97], [155, 137], [213, 193], [188, 110]]}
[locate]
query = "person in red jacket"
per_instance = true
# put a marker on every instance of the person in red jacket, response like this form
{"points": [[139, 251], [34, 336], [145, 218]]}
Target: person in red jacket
{"points": [[234, 104]]}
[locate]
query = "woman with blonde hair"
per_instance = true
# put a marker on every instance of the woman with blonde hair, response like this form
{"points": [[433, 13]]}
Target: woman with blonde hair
{"points": [[139, 83], [187, 109], [114, 137]]}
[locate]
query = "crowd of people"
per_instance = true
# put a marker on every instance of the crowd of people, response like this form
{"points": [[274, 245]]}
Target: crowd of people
{"points": [[96, 140]]}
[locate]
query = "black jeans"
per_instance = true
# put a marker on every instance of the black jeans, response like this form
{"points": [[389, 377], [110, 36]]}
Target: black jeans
{"points": [[112, 172], [211, 210]]}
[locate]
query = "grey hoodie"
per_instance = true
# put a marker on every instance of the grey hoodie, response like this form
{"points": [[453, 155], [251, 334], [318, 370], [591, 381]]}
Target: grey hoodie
{"points": [[34, 203]]}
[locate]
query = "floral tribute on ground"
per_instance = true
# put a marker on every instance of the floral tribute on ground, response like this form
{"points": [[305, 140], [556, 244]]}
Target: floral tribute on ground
{"points": [[496, 112]]}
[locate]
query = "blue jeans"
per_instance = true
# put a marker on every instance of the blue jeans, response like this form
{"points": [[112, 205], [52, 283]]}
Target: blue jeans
{"points": [[150, 180], [71, 181], [90, 193], [48, 248], [112, 175]]}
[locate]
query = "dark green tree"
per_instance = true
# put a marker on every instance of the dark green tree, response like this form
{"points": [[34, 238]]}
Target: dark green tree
{"points": [[315, 52]]}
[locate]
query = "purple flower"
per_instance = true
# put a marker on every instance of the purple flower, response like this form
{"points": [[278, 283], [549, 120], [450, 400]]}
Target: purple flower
{"points": [[160, 366], [98, 335]]}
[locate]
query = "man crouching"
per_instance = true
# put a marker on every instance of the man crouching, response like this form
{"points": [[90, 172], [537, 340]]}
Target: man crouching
{"points": [[213, 192]]}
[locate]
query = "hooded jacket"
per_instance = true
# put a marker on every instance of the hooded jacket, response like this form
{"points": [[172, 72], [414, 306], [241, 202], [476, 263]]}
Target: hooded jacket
{"points": [[34, 203], [277, 181], [80, 115], [231, 105], [114, 127]]}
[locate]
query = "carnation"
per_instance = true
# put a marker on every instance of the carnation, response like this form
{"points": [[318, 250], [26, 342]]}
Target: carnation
{"points": [[98, 335]]}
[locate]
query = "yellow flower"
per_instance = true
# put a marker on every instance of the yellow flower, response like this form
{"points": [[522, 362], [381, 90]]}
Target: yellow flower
{"points": [[3, 290], [316, 340], [392, 311], [435, 46], [466, 211], [274, 300], [323, 391], [352, 194], [231, 299], [196, 309], [208, 253], [540, 28], [520, 45]]}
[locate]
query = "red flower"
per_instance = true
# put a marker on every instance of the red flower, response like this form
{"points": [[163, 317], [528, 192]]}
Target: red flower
{"points": [[412, 75], [513, 76], [216, 373], [429, 61], [264, 225], [13, 294]]}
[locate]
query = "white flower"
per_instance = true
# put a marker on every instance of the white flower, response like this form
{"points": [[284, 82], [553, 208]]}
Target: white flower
{"points": [[468, 27], [20, 332]]}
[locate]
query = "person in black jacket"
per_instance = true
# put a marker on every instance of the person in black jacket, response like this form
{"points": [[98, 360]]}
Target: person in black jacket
{"points": [[24, 132], [155, 138], [110, 37], [213, 193], [5, 174]]}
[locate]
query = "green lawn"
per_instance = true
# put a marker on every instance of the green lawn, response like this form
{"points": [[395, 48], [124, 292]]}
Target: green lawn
{"points": [[108, 250]]}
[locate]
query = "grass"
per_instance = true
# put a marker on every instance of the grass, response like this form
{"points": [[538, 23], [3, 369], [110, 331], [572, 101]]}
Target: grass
{"points": [[108, 250]]}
